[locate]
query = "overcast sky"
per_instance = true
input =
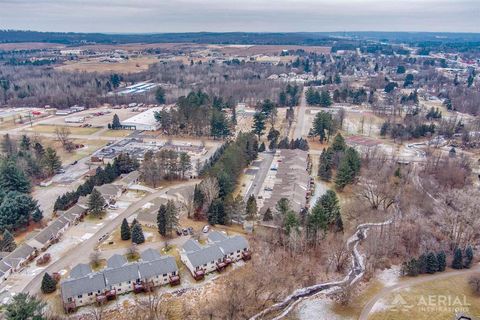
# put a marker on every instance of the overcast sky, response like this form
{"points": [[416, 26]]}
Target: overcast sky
{"points": [[151, 16]]}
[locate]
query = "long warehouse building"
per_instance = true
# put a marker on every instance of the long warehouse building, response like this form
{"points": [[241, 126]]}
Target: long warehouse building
{"points": [[144, 121]]}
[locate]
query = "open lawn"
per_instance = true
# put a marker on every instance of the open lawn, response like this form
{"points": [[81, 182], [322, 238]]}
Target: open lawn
{"points": [[441, 297], [131, 65], [116, 133], [45, 128], [68, 157]]}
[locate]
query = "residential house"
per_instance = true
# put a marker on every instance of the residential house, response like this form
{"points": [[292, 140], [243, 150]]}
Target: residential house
{"points": [[122, 279], [87, 287], [220, 251], [129, 179], [147, 216], [234, 248], [158, 272], [80, 270], [77, 292], [110, 192]]}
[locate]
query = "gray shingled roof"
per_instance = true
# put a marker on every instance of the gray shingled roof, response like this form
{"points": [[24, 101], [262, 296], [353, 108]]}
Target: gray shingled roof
{"points": [[150, 255], [132, 176], [128, 272], [205, 255], [74, 287], [80, 270], [157, 267], [4, 267], [108, 190], [116, 261], [191, 245], [216, 236], [233, 244]]}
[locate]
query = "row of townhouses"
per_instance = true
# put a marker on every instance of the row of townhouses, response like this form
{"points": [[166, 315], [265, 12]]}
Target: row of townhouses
{"points": [[86, 287], [31, 248], [216, 255]]}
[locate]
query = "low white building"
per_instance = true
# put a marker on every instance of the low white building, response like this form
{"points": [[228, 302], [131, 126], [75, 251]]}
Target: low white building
{"points": [[74, 119], [144, 121]]}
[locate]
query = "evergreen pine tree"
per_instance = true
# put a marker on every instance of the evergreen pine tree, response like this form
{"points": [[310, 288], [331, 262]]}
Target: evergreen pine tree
{"points": [[344, 175], [422, 263], [96, 202], [12, 178], [432, 263], [442, 261], [467, 263], [8, 242], [251, 210], [457, 262], [48, 284], [125, 232], [268, 216], [262, 147], [37, 215], [162, 220], [137, 234], [339, 143], [325, 166]]}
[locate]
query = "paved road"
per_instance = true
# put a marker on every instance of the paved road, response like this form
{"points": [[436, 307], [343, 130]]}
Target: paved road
{"points": [[409, 283], [85, 248], [299, 130], [260, 175]]}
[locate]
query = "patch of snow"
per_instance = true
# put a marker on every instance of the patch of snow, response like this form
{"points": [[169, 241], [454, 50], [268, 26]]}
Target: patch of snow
{"points": [[389, 277], [320, 308], [86, 236], [380, 305]]}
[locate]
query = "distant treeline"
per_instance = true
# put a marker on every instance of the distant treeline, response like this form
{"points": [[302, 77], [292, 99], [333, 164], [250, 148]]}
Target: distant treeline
{"points": [[293, 38]]}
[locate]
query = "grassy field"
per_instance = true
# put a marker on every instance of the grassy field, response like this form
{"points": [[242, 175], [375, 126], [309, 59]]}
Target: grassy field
{"points": [[68, 157], [131, 65], [116, 133], [425, 300], [45, 128]]}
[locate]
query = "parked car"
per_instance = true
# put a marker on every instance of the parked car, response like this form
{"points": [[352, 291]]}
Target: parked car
{"points": [[112, 206], [205, 229], [185, 232], [190, 230], [74, 162], [178, 231]]}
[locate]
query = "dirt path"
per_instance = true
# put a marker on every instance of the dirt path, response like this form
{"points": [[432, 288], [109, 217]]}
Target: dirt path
{"points": [[409, 283]]}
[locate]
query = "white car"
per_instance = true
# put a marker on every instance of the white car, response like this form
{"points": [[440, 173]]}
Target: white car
{"points": [[206, 229], [113, 207]]}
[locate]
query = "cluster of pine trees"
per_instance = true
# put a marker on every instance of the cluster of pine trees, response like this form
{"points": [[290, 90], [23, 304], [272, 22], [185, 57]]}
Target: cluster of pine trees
{"points": [[167, 218], [196, 114], [325, 216], [164, 165], [132, 232], [31, 157], [300, 143], [430, 262], [323, 126], [290, 96], [224, 169], [317, 98], [123, 163], [353, 96], [344, 159], [17, 207]]}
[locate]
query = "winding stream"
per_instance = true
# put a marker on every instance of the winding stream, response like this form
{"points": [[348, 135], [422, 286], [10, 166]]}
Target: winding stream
{"points": [[357, 270]]}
